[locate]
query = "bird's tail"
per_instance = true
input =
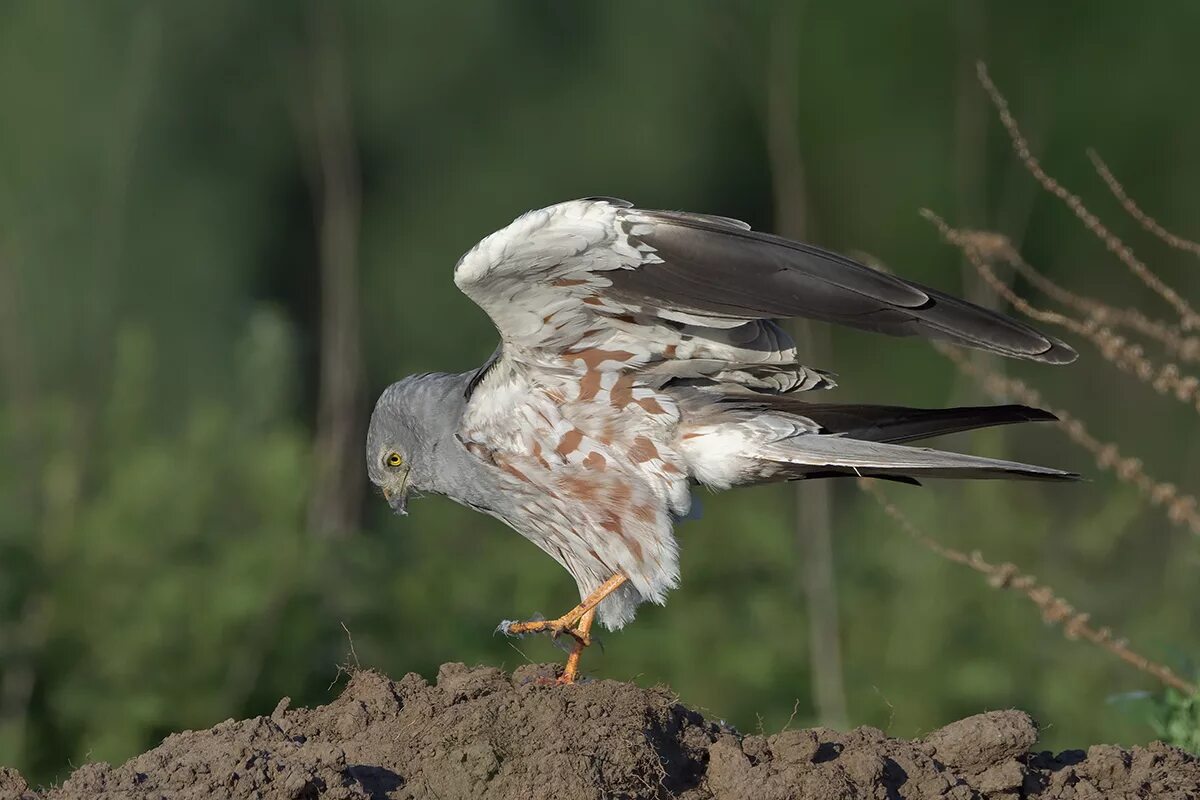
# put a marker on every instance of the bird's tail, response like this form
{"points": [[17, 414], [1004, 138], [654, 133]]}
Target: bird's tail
{"points": [[824, 456], [780, 438], [864, 440]]}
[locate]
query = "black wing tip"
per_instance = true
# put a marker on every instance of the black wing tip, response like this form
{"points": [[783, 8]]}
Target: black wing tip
{"points": [[1029, 413], [1037, 346], [1058, 476], [1054, 353], [1058, 353]]}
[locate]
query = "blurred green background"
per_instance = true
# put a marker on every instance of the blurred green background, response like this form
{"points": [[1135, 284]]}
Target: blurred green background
{"points": [[199, 199]]}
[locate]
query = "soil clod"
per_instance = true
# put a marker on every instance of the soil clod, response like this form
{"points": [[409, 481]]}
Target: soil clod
{"points": [[480, 733]]}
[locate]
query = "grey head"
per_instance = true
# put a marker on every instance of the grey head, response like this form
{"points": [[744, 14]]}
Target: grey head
{"points": [[411, 442]]}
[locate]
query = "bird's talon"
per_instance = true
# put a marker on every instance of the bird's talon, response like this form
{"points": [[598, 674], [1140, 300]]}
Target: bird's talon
{"points": [[576, 623], [556, 628]]}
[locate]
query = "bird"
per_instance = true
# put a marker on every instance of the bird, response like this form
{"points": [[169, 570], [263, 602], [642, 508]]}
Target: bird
{"points": [[641, 355]]}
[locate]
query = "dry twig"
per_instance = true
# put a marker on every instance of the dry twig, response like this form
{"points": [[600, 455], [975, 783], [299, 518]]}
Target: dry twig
{"points": [[982, 247], [1186, 348], [351, 665], [1188, 317], [1131, 208], [1055, 610], [1180, 507]]}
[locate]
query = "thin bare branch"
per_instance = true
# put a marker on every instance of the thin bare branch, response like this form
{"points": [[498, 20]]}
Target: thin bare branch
{"points": [[1188, 317], [981, 247], [1131, 208], [1186, 348], [1055, 610], [1180, 508]]}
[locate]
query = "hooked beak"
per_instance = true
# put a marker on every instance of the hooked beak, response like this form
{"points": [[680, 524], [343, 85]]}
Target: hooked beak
{"points": [[398, 498]]}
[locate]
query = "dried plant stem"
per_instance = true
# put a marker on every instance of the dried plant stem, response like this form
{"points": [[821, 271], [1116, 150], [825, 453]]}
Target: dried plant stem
{"points": [[1131, 208], [1186, 348], [1189, 319], [980, 248], [1055, 610], [1180, 508]]}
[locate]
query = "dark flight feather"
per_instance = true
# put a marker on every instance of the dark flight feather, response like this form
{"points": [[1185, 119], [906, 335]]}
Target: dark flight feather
{"points": [[713, 266]]}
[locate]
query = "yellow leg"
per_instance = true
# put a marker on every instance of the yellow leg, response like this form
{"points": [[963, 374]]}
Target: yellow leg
{"points": [[568, 621], [576, 623], [572, 669]]}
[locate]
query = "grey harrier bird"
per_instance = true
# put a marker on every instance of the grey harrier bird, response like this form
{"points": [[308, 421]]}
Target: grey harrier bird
{"points": [[639, 357]]}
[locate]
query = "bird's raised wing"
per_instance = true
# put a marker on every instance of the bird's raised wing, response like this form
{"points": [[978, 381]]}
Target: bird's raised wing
{"points": [[558, 272]]}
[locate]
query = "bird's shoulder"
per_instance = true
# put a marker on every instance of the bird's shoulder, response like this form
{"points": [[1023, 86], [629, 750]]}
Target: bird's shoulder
{"points": [[545, 240]]}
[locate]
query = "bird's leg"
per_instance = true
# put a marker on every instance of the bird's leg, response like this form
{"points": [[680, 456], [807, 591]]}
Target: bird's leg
{"points": [[571, 670], [570, 623]]}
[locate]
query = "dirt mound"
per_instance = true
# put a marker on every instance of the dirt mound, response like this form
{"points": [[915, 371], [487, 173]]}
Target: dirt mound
{"points": [[479, 733]]}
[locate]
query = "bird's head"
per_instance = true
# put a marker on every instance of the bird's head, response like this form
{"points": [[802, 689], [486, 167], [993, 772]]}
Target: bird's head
{"points": [[389, 448], [410, 421]]}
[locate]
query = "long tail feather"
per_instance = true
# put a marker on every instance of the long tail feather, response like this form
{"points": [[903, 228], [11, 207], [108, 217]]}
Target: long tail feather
{"points": [[816, 454], [898, 423]]}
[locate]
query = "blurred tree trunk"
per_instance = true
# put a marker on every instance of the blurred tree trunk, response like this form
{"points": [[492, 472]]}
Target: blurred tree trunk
{"points": [[18, 633], [971, 118], [336, 503], [814, 513]]}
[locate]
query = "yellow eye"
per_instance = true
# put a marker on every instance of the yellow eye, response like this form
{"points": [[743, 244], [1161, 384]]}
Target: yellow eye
{"points": [[393, 460]]}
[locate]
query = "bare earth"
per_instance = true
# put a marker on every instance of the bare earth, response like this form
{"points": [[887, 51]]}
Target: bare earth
{"points": [[480, 733]]}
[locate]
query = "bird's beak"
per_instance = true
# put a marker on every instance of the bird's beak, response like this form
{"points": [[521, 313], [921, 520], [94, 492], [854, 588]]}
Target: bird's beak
{"points": [[397, 498]]}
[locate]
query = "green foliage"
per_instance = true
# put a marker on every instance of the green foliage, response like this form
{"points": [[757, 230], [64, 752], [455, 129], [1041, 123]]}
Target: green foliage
{"points": [[162, 553], [1176, 720]]}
